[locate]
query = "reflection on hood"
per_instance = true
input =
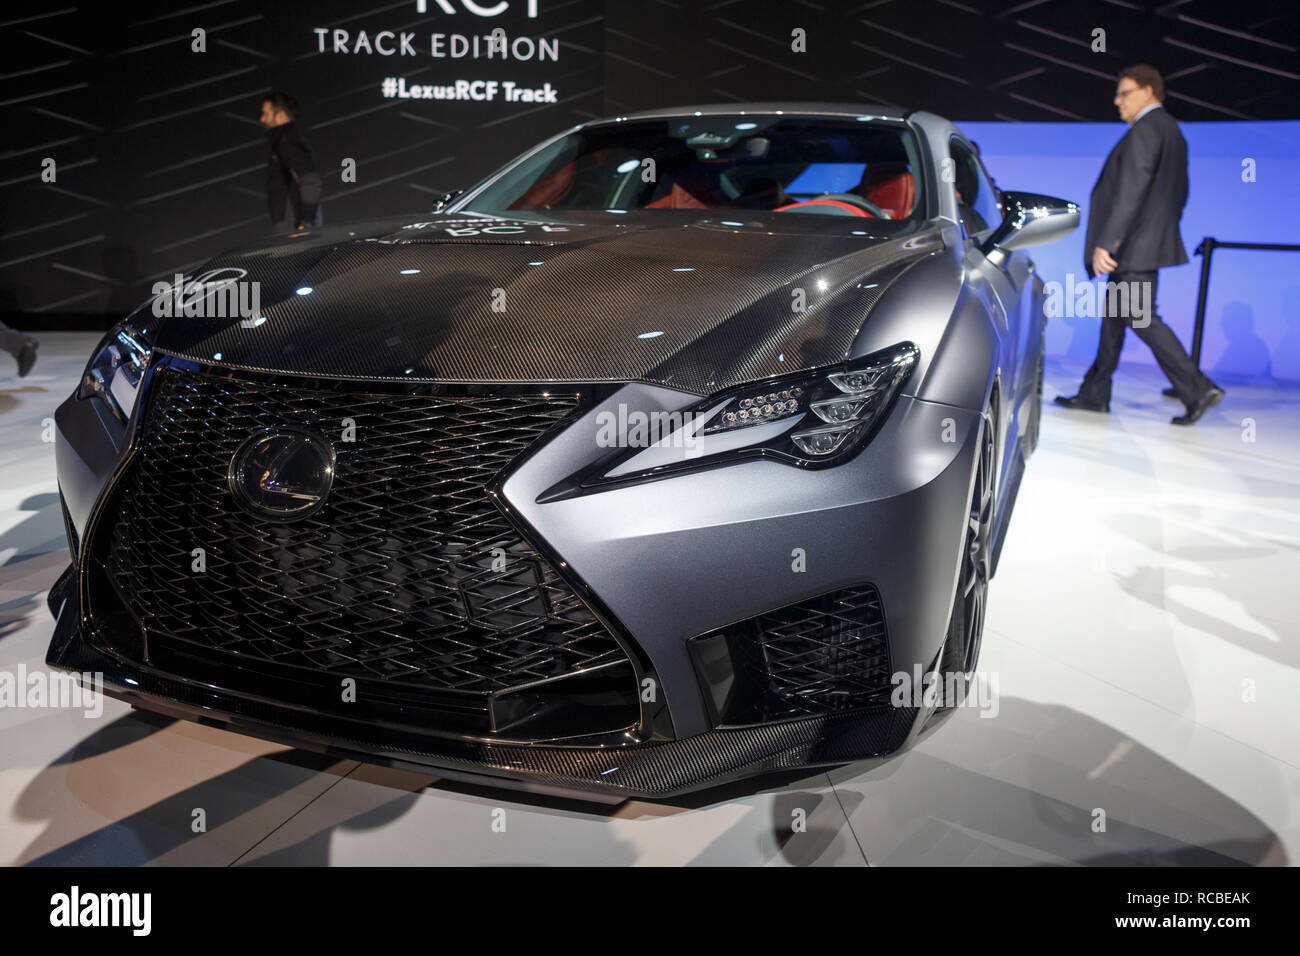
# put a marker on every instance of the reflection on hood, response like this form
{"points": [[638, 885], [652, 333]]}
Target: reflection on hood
{"points": [[698, 303]]}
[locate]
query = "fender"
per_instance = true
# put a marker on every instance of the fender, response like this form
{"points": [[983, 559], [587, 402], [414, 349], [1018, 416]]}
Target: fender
{"points": [[930, 306]]}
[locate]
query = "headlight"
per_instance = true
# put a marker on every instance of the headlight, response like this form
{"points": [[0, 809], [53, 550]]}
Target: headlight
{"points": [[115, 372], [832, 411], [811, 420]]}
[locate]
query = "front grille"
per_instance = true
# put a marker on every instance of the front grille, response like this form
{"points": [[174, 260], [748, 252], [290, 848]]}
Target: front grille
{"points": [[408, 580], [820, 656]]}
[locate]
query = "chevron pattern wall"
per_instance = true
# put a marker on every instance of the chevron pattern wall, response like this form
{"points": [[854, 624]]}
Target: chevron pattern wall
{"points": [[1012, 60], [160, 161]]}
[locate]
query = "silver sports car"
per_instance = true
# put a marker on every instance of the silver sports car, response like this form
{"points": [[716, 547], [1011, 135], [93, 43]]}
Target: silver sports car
{"points": [[679, 450]]}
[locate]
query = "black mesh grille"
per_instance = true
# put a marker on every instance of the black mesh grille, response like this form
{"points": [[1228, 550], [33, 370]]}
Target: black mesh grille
{"points": [[828, 653], [820, 656], [408, 575]]}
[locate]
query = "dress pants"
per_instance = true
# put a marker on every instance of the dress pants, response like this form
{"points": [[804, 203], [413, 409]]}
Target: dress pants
{"points": [[1186, 378], [289, 221], [11, 340]]}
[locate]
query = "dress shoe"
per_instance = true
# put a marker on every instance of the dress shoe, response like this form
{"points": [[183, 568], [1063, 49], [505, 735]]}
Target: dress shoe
{"points": [[26, 357], [1171, 392], [1212, 397], [1074, 401]]}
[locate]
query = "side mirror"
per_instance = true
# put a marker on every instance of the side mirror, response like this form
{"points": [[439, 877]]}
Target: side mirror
{"points": [[443, 201], [1031, 220]]}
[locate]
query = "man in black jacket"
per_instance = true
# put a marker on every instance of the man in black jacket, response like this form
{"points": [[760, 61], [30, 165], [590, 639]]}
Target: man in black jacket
{"points": [[293, 186], [1132, 232]]}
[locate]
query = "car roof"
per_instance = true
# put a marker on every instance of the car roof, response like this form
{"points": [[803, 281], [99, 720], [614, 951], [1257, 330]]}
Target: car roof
{"points": [[876, 111]]}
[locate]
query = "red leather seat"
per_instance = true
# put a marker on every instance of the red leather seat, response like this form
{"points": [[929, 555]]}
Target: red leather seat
{"points": [[549, 190], [890, 186], [851, 209], [678, 198]]}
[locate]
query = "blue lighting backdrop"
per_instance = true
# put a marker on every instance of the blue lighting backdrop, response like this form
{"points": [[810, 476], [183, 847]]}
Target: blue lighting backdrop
{"points": [[1252, 324]]}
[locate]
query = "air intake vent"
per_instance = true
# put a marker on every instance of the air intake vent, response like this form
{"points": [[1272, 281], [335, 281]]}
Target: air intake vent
{"points": [[821, 656]]}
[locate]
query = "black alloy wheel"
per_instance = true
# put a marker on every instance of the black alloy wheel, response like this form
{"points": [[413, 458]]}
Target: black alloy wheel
{"points": [[966, 624]]}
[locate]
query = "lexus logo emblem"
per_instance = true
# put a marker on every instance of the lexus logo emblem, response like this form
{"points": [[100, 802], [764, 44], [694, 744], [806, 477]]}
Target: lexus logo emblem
{"points": [[282, 474]]}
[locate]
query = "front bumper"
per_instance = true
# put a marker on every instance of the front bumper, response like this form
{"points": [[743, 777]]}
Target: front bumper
{"points": [[651, 770], [666, 561]]}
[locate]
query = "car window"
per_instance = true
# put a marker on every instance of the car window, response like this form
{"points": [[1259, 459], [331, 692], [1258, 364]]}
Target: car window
{"points": [[977, 198], [820, 166]]}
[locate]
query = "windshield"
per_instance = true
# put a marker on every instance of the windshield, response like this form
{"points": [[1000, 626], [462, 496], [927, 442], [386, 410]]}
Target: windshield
{"points": [[807, 165]]}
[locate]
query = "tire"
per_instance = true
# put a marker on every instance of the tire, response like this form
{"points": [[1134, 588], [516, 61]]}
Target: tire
{"points": [[1036, 414], [966, 622]]}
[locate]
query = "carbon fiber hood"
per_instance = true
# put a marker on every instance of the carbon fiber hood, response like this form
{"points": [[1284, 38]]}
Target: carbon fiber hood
{"points": [[673, 298]]}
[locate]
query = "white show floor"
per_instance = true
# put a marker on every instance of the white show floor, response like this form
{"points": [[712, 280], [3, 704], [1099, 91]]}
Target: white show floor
{"points": [[1144, 593]]}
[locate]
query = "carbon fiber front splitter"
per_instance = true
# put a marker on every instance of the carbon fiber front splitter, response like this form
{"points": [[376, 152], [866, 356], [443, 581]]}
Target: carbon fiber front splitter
{"points": [[648, 769]]}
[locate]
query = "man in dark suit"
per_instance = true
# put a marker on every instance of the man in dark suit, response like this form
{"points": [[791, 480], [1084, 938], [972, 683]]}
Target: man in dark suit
{"points": [[293, 186], [1132, 232]]}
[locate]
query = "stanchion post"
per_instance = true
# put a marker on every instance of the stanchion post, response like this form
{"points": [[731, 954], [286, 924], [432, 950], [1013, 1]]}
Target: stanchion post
{"points": [[1205, 250]]}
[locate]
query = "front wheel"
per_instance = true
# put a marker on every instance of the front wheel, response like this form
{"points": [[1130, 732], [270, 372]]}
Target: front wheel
{"points": [[966, 624], [1036, 415]]}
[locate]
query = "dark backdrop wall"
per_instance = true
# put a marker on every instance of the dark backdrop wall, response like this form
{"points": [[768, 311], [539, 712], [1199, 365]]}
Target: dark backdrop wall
{"points": [[159, 159]]}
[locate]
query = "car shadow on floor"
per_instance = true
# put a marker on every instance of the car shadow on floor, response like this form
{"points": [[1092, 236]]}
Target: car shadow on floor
{"points": [[33, 553], [1024, 788], [162, 827], [1046, 785], [39, 532]]}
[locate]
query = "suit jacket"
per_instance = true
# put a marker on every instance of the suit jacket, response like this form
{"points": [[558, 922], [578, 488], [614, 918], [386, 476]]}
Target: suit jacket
{"points": [[1139, 197], [291, 175]]}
